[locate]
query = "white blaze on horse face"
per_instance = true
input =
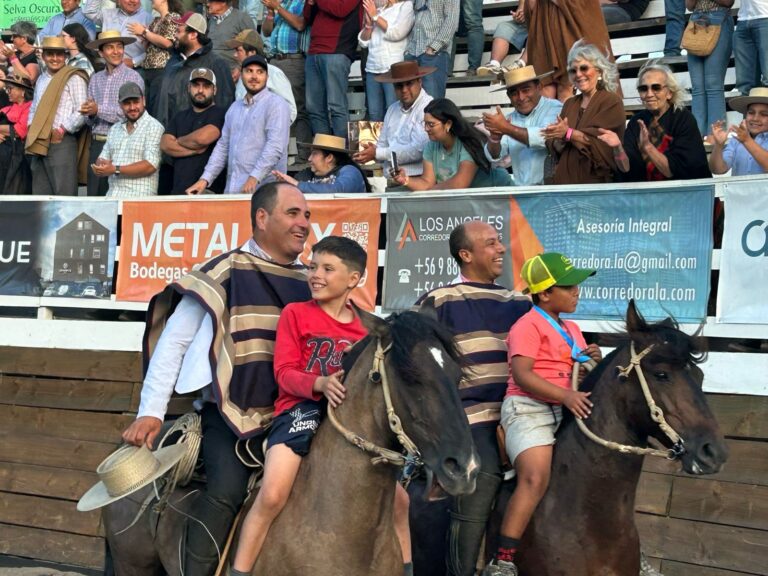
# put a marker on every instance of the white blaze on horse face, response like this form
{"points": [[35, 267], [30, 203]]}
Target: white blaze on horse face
{"points": [[437, 354]]}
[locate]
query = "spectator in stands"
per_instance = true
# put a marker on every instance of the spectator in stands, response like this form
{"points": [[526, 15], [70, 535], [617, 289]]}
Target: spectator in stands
{"points": [[288, 35], [583, 158], [332, 49], [70, 13], [674, 10], [431, 40], [254, 140], [15, 177], [661, 142], [131, 155], [403, 129], [54, 122], [224, 23], [159, 35], [622, 11], [190, 137], [193, 50], [249, 43], [746, 152], [22, 60], [750, 45], [518, 137], [515, 32], [103, 107], [331, 169], [4, 98], [471, 26], [507, 34], [708, 72], [553, 29], [80, 56], [385, 34], [454, 157], [120, 18]]}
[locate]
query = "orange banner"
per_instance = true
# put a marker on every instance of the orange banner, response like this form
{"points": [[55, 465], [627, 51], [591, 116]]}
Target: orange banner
{"points": [[162, 241]]}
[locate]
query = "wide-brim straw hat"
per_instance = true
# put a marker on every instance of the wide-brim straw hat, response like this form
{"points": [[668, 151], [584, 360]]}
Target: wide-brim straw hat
{"points": [[19, 82], [53, 43], [328, 142], [404, 71], [518, 76], [757, 95], [128, 469], [110, 36]]}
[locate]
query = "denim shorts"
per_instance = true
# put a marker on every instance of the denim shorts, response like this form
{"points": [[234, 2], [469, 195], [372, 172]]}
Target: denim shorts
{"points": [[296, 427], [513, 32], [528, 423]]}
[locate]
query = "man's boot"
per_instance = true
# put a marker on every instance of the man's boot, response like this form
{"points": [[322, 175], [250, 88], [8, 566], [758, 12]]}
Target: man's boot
{"points": [[204, 536]]}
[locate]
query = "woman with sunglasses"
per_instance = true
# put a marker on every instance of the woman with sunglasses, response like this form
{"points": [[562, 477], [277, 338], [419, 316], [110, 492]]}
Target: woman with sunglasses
{"points": [[663, 141], [582, 158], [454, 156], [15, 177]]}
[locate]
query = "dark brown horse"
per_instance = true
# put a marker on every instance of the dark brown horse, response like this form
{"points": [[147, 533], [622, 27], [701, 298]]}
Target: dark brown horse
{"points": [[585, 524], [339, 519]]}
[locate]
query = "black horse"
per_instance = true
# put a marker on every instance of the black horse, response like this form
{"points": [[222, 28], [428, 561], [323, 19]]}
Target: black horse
{"points": [[340, 517], [585, 524]]}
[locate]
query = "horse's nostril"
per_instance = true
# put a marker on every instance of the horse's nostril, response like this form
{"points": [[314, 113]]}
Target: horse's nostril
{"points": [[451, 467]]}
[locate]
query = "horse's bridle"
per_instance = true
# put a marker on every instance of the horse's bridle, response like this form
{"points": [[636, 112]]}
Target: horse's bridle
{"points": [[657, 414], [412, 457]]}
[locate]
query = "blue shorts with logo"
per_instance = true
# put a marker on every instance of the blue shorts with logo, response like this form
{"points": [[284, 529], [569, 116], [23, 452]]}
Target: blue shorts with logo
{"points": [[297, 427]]}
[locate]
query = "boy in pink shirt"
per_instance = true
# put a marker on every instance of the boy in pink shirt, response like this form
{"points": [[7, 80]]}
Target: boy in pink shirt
{"points": [[543, 349]]}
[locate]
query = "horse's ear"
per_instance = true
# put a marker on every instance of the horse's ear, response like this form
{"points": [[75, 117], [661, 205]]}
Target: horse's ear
{"points": [[428, 308], [635, 321], [375, 325]]}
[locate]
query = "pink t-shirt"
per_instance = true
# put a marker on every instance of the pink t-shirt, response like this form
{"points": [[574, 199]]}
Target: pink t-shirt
{"points": [[533, 337]]}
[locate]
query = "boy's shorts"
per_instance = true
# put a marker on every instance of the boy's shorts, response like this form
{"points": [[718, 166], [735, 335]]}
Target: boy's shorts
{"points": [[528, 423], [296, 427], [513, 32]]}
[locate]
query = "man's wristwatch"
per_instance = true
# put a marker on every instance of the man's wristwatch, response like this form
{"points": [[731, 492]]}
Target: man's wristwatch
{"points": [[117, 170]]}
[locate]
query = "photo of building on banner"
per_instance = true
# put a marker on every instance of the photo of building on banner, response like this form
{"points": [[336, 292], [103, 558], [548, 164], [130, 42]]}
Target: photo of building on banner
{"points": [[57, 248], [744, 257], [651, 245], [160, 246]]}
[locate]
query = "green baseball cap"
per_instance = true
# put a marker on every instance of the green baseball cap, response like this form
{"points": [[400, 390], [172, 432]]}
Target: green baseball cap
{"points": [[551, 269]]}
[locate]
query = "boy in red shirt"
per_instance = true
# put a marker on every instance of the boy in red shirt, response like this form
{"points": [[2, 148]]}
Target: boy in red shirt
{"points": [[543, 349], [311, 339]]}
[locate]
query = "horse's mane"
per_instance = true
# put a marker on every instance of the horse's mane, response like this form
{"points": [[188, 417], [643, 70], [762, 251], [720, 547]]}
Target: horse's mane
{"points": [[411, 328], [672, 346]]}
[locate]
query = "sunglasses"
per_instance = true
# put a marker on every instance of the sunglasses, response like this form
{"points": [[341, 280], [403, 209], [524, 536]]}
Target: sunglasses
{"points": [[583, 68], [643, 88]]}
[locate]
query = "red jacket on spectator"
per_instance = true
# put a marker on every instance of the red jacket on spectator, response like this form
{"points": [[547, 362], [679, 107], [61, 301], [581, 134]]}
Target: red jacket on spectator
{"points": [[335, 25]]}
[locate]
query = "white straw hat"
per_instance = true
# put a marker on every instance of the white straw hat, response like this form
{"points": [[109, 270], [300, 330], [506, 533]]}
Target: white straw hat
{"points": [[128, 469]]}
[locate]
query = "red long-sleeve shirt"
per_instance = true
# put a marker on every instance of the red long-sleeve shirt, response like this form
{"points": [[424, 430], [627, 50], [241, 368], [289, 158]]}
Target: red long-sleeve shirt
{"points": [[309, 344], [335, 26]]}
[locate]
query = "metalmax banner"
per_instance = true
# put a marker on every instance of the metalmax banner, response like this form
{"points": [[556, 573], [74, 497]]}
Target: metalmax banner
{"points": [[744, 257], [651, 245], [163, 241], [57, 248]]}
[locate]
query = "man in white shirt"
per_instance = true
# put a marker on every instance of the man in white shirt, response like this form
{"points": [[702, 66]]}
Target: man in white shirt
{"points": [[196, 350], [750, 45], [403, 130], [248, 43]]}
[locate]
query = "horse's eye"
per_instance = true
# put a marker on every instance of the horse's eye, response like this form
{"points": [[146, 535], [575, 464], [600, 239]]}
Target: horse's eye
{"points": [[661, 376]]}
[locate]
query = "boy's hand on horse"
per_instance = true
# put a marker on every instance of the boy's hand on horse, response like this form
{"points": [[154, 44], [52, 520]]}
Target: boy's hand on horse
{"points": [[578, 403], [331, 387], [143, 430], [594, 352]]}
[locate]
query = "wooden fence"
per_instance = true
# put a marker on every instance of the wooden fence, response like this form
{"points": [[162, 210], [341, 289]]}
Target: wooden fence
{"points": [[62, 412]]}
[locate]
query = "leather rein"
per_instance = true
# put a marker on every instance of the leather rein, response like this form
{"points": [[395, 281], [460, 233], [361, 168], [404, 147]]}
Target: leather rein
{"points": [[412, 457], [657, 414]]}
